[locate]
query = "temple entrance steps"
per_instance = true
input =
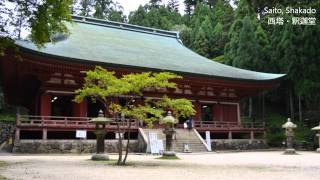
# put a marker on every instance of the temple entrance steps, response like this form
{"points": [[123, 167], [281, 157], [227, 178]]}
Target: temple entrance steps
{"points": [[182, 137]]}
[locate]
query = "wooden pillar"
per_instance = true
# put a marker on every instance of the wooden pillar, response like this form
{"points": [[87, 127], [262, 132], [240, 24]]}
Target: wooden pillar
{"points": [[45, 105], [230, 135], [197, 107], [220, 112], [251, 135], [238, 113], [44, 133], [80, 109], [17, 134]]}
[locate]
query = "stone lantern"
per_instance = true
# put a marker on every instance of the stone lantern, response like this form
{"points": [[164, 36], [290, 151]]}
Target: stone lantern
{"points": [[100, 132], [289, 126], [169, 122], [317, 129]]}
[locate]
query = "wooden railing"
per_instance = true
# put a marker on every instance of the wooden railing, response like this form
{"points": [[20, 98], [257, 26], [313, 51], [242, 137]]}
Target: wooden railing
{"points": [[228, 125], [68, 122]]}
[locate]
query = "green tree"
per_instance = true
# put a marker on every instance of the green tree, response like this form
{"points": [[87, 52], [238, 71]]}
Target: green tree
{"points": [[247, 54], [118, 16], [155, 3], [102, 8], [161, 17], [139, 17], [44, 18], [218, 40], [203, 39], [191, 5], [86, 7], [103, 86], [173, 5], [232, 46], [200, 25], [264, 48], [223, 17], [244, 8]]}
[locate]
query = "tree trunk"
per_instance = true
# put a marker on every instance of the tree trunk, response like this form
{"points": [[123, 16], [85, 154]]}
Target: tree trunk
{"points": [[250, 108], [119, 145], [300, 109], [263, 108], [128, 142], [291, 105]]}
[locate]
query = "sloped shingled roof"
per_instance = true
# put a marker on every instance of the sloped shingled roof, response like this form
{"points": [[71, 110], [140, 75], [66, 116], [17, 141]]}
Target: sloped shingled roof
{"points": [[119, 44]]}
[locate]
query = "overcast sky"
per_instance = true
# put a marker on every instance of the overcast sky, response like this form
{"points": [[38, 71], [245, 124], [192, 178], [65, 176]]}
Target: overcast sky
{"points": [[131, 5]]}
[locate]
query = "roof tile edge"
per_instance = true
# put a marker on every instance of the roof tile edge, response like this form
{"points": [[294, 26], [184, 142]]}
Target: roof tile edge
{"points": [[126, 26]]}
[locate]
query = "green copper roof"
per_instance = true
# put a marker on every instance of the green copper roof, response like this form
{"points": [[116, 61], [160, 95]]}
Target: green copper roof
{"points": [[119, 44]]}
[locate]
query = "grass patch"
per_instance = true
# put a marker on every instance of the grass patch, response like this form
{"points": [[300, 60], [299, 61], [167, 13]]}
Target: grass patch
{"points": [[168, 158], [3, 164]]}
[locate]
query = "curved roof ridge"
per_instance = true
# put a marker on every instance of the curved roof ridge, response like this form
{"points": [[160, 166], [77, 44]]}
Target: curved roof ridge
{"points": [[125, 26]]}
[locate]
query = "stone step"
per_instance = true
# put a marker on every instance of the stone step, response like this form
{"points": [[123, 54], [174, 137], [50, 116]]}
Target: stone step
{"points": [[182, 136]]}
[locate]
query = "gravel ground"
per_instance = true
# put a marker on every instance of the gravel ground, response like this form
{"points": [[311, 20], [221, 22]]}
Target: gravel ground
{"points": [[242, 165]]}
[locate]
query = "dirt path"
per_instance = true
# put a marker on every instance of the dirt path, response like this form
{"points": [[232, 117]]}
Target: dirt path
{"points": [[245, 165]]}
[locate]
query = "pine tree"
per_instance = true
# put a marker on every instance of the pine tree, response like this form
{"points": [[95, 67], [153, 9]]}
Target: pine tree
{"points": [[218, 40], [173, 5], [203, 39], [102, 8], [223, 17], [117, 16], [232, 46], [161, 17], [191, 5], [244, 9], [247, 54], [139, 17], [309, 85], [85, 7], [263, 48], [201, 42], [155, 3]]}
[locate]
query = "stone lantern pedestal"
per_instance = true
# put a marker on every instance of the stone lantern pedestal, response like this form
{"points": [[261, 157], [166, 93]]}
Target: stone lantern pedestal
{"points": [[317, 128], [289, 126], [169, 121], [100, 132], [169, 131]]}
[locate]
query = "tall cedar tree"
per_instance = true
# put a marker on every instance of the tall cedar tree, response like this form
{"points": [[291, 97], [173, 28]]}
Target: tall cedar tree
{"points": [[247, 53], [173, 5], [85, 7], [161, 17]]}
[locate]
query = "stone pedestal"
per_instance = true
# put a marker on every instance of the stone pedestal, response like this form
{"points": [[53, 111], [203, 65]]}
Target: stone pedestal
{"points": [[289, 126], [169, 153], [169, 131], [100, 151], [100, 157], [318, 135], [100, 134], [290, 151]]}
